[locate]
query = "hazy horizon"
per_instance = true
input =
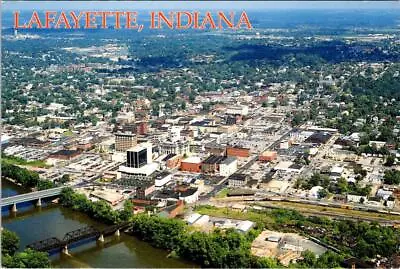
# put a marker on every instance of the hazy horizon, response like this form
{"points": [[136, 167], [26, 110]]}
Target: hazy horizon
{"points": [[248, 5]]}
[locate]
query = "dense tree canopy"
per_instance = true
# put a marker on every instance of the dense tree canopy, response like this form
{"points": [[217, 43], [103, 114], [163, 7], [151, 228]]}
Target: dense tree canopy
{"points": [[25, 177], [9, 242], [392, 177], [99, 210], [25, 259]]}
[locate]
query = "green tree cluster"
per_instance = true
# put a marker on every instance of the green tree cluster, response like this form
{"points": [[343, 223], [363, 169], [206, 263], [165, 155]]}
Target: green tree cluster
{"points": [[25, 259], [340, 186], [390, 160], [219, 249], [328, 259], [25, 177], [360, 239], [392, 177], [99, 210]]}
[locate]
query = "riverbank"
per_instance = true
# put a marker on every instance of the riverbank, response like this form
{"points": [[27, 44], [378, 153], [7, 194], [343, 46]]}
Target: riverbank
{"points": [[25, 177], [11, 188], [34, 224], [12, 181]]}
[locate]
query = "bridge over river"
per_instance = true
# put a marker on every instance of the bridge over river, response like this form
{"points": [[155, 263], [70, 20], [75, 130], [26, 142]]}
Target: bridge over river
{"points": [[53, 244], [35, 196]]}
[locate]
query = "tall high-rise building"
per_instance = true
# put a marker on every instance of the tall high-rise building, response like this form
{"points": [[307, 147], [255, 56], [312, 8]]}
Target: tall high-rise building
{"points": [[125, 141], [139, 155]]}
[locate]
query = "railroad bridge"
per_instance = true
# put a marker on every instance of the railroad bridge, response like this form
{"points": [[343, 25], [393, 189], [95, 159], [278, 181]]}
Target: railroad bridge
{"points": [[54, 244]]}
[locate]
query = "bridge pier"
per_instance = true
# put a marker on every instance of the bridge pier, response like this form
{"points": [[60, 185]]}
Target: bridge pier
{"points": [[14, 208], [101, 238], [65, 250], [39, 202], [117, 233]]}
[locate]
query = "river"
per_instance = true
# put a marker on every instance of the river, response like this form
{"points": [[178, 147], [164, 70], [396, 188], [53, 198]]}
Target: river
{"points": [[32, 224]]}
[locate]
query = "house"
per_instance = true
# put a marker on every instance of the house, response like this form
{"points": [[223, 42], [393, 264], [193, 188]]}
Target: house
{"points": [[64, 154], [384, 194], [377, 144], [289, 166], [144, 189], [314, 191]]}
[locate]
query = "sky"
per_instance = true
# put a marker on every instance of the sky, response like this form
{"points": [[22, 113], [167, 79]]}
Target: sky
{"points": [[182, 4]]}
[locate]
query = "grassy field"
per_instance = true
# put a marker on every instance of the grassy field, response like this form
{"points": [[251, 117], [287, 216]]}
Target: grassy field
{"points": [[222, 194], [68, 133], [315, 210], [19, 161], [235, 214]]}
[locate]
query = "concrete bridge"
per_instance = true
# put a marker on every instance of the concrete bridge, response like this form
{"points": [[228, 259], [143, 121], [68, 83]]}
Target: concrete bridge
{"points": [[35, 197]]}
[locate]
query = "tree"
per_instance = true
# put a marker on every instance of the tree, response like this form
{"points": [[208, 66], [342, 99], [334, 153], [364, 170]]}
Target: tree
{"points": [[391, 177], [342, 185], [192, 97], [322, 193], [31, 259], [26, 259], [264, 262], [65, 178], [390, 160], [183, 105], [309, 258], [329, 260], [127, 212], [9, 242], [44, 185]]}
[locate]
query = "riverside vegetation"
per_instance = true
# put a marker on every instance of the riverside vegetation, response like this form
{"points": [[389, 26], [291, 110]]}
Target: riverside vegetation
{"points": [[219, 248], [28, 258]]}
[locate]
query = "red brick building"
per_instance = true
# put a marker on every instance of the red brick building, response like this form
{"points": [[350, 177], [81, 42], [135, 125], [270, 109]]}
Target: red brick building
{"points": [[238, 152], [267, 156], [191, 164], [174, 162]]}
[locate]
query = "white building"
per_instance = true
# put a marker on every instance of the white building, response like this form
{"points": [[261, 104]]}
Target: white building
{"points": [[245, 226], [356, 198], [377, 144], [161, 179], [143, 171], [190, 196], [237, 180], [228, 166]]}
